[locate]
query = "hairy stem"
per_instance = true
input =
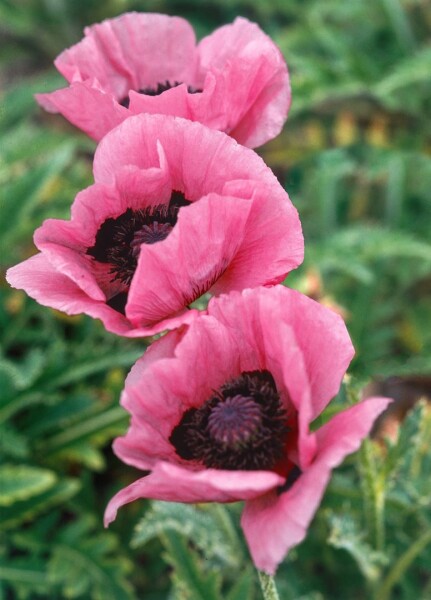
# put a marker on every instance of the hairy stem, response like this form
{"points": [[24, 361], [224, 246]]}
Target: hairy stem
{"points": [[267, 584], [374, 495]]}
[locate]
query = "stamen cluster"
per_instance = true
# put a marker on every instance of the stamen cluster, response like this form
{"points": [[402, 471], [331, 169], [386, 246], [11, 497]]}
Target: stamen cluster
{"points": [[119, 239], [242, 426], [240, 239]]}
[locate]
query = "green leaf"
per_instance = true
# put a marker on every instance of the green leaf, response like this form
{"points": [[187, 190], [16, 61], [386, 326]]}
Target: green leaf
{"points": [[413, 71], [19, 376], [24, 510], [13, 444], [18, 102], [188, 577], [26, 576], [345, 535], [243, 588], [21, 482], [91, 569], [407, 465], [85, 453], [99, 425], [93, 365], [202, 526], [24, 193]]}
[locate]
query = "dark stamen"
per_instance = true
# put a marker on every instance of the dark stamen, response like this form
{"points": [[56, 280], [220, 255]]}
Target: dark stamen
{"points": [[294, 474], [159, 89], [242, 426], [118, 302], [119, 239]]}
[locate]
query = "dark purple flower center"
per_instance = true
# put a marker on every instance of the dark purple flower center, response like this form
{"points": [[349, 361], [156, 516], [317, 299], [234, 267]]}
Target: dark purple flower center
{"points": [[149, 234], [242, 426], [159, 89], [119, 239]]}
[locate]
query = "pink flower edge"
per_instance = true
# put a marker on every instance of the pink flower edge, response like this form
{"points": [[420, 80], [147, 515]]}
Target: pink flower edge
{"points": [[240, 230], [274, 523], [234, 80], [274, 331]]}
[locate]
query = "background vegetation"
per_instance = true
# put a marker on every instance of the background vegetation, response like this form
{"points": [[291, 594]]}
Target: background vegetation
{"points": [[355, 159]]}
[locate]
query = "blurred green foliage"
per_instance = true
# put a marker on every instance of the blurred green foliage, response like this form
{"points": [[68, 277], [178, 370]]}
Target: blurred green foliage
{"points": [[355, 159]]}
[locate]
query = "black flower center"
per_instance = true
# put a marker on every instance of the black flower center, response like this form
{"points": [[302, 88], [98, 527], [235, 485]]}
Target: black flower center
{"points": [[242, 426], [118, 241], [159, 89]]}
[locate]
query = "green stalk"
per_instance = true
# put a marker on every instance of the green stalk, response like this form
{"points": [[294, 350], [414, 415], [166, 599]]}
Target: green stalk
{"points": [[374, 495], [267, 584], [401, 566], [223, 516]]}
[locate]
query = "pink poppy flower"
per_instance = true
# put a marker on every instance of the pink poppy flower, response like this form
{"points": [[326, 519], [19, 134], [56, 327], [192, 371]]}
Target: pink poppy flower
{"points": [[234, 80], [220, 412], [177, 210]]}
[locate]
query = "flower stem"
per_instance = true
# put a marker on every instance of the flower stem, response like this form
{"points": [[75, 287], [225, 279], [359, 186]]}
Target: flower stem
{"points": [[374, 492], [223, 517], [401, 565], [267, 584]]}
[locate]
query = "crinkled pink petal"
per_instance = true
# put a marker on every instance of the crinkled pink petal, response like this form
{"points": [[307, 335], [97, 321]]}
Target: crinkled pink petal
{"points": [[143, 446], [173, 483], [253, 330], [169, 380], [224, 235], [42, 282], [87, 107], [211, 106], [269, 213], [237, 77], [285, 360], [158, 392], [171, 102], [319, 333], [267, 110], [275, 522], [132, 51], [229, 41], [260, 321], [65, 243], [254, 81], [133, 188], [200, 160], [172, 274], [69, 261]]}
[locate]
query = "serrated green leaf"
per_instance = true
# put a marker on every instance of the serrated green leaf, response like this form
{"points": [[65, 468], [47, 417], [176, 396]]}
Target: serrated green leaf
{"points": [[407, 465], [200, 526], [188, 576], [26, 509], [345, 535]]}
